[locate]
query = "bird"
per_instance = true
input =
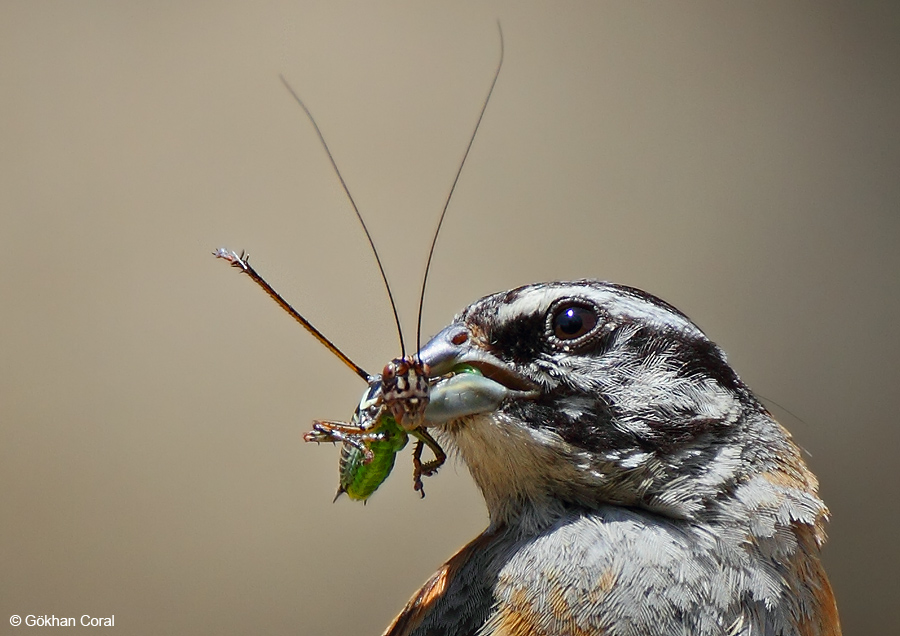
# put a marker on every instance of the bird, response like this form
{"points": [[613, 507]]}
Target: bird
{"points": [[634, 484]]}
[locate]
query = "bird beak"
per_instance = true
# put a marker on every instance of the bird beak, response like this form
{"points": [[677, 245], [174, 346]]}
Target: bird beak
{"points": [[457, 394]]}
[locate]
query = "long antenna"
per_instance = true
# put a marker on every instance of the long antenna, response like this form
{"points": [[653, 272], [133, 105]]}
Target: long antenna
{"points": [[387, 285], [242, 262], [452, 188]]}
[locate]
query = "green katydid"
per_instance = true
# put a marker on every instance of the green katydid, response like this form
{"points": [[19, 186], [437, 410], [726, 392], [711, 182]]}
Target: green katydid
{"points": [[373, 437], [393, 406], [371, 441]]}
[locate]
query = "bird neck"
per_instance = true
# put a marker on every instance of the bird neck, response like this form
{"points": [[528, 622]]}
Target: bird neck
{"points": [[530, 478]]}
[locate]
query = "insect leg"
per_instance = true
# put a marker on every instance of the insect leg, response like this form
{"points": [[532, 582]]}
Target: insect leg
{"points": [[327, 427], [329, 431], [429, 468], [242, 263]]}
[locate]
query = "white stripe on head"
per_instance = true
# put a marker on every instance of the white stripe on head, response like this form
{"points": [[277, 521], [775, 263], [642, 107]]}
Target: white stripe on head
{"points": [[616, 301]]}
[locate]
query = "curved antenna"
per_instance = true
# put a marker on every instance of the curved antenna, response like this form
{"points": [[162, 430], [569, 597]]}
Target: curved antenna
{"points": [[387, 285], [452, 188]]}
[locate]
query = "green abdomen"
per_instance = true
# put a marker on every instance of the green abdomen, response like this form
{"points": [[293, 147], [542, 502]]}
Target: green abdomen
{"points": [[358, 479]]}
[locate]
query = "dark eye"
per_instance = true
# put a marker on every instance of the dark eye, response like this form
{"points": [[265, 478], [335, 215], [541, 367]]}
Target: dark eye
{"points": [[573, 321]]}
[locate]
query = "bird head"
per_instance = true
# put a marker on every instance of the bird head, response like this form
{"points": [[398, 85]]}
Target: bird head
{"points": [[602, 394]]}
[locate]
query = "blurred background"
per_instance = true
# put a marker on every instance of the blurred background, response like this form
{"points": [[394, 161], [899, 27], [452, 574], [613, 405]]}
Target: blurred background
{"points": [[740, 160]]}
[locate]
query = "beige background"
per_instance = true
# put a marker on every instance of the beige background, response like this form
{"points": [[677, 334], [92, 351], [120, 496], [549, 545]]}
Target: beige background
{"points": [[738, 159]]}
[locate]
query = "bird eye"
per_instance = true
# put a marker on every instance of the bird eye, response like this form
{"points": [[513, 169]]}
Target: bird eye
{"points": [[573, 321]]}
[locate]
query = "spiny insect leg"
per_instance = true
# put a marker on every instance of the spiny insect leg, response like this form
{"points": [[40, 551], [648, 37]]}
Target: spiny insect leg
{"points": [[333, 427], [328, 431]]}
